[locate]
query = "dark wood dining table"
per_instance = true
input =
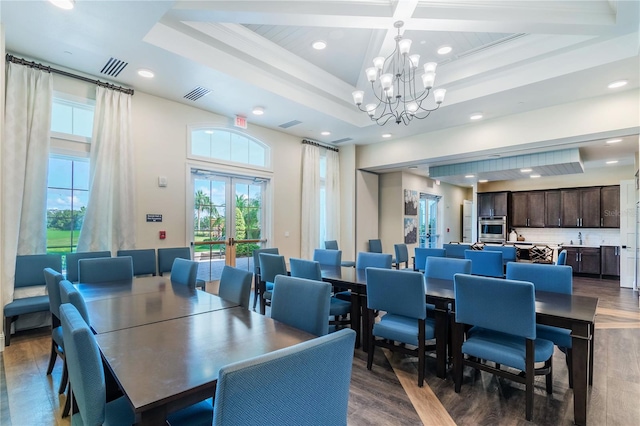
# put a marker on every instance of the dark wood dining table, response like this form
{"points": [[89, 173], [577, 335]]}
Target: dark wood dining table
{"points": [[576, 313]]}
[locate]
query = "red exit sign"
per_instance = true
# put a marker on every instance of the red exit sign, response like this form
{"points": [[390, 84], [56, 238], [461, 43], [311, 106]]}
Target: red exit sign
{"points": [[241, 122]]}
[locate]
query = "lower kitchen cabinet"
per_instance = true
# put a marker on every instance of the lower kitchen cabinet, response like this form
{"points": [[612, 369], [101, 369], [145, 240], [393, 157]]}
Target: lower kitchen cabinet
{"points": [[584, 260], [610, 260]]}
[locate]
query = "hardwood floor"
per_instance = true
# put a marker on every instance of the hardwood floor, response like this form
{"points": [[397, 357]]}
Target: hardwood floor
{"points": [[389, 395]]}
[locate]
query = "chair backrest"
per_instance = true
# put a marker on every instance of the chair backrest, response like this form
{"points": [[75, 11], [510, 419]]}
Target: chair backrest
{"points": [[72, 260], [84, 364], [456, 250], [315, 373], [421, 255], [496, 304], [485, 262], [105, 269], [184, 272], [308, 269], [402, 253], [167, 255], [29, 268], [70, 294], [398, 292], [256, 257], [270, 266], [508, 252], [52, 279], [562, 258], [375, 246], [374, 260], [331, 245], [144, 260], [328, 256], [302, 303], [553, 278], [446, 267], [235, 285]]}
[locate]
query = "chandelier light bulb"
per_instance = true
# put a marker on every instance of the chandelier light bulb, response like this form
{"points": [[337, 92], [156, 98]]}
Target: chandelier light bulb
{"points": [[378, 62], [358, 97], [372, 74], [412, 108], [371, 109], [414, 60], [386, 80], [428, 79], [430, 67], [404, 46], [389, 92], [438, 95]]}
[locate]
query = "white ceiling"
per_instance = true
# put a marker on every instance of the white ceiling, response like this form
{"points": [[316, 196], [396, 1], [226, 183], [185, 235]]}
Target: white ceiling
{"points": [[508, 56]]}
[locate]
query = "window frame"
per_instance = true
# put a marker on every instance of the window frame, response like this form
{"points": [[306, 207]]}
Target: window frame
{"points": [[74, 101]]}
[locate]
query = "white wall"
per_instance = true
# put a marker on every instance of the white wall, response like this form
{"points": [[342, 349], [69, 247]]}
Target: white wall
{"points": [[367, 195], [391, 211], [2, 87]]}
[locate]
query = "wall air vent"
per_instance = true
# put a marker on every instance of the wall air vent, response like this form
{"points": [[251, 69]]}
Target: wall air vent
{"points": [[197, 93], [113, 67], [290, 124], [343, 140]]}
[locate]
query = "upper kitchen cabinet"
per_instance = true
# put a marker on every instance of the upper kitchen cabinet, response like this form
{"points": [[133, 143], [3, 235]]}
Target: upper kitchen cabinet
{"points": [[492, 204], [610, 207], [527, 209], [553, 212], [579, 207]]}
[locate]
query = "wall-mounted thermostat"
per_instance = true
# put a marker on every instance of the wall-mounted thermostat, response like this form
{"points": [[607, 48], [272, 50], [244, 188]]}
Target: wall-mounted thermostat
{"points": [[162, 181]]}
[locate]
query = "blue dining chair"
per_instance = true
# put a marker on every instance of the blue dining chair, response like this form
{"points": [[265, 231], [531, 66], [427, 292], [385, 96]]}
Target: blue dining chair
{"points": [[374, 260], [73, 258], [271, 265], [184, 272], [503, 318], [328, 257], [52, 279], [144, 261], [445, 268], [562, 258], [485, 262], [401, 295], [101, 270], [331, 245], [375, 246], [456, 250], [166, 256], [301, 303], [235, 285], [402, 255], [256, 272], [421, 255], [311, 386], [508, 252]]}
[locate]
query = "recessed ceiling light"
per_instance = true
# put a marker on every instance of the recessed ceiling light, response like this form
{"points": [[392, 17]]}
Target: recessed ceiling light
{"points": [[257, 111], [386, 135], [319, 44], [469, 176], [209, 132], [526, 170], [617, 84], [476, 116], [145, 73], [444, 50], [483, 181], [614, 140], [612, 162], [534, 176], [325, 133], [64, 4]]}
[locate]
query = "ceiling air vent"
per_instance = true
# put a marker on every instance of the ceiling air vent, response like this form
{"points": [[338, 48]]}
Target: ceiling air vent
{"points": [[113, 67], [343, 140], [290, 124], [197, 93]]}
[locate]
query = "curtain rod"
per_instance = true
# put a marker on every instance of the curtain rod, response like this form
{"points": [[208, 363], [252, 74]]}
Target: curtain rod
{"points": [[21, 61], [330, 148]]}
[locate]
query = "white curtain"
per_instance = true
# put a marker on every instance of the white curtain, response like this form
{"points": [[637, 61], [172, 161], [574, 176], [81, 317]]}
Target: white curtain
{"points": [[332, 191], [310, 234], [25, 163], [109, 222]]}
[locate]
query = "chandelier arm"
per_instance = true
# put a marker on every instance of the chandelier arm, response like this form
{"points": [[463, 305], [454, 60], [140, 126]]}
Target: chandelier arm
{"points": [[385, 121]]}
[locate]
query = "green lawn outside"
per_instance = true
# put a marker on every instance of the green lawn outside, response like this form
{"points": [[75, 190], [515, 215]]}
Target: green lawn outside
{"points": [[60, 241]]}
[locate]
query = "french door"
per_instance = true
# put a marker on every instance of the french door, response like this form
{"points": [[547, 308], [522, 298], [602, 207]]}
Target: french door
{"points": [[228, 221], [428, 221]]}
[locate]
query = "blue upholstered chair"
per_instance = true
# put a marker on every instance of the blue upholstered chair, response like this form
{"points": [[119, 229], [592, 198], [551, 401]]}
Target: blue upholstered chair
{"points": [[73, 258], [256, 272], [144, 261], [301, 303], [375, 246], [401, 295], [331, 245], [485, 262], [456, 250], [235, 285], [503, 319], [402, 255], [374, 260], [562, 258], [29, 273], [312, 385], [184, 272], [100, 270], [508, 252], [53, 278], [166, 256], [271, 265], [445, 268], [328, 257], [421, 255]]}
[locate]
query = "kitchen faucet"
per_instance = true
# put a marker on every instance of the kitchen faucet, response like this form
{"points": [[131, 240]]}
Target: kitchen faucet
{"points": [[579, 238]]}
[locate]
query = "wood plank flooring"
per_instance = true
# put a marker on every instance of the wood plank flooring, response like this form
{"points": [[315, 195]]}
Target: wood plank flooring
{"points": [[389, 395]]}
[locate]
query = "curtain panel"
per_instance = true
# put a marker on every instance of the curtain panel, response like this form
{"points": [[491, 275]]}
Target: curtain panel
{"points": [[109, 222], [332, 191], [25, 163], [310, 232]]}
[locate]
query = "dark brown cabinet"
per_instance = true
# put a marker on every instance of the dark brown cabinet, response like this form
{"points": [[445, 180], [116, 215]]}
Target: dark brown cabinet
{"points": [[527, 209], [552, 211], [584, 260], [610, 260], [579, 208], [610, 206], [492, 204]]}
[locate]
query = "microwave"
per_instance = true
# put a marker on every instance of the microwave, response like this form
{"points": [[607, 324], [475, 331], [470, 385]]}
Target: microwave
{"points": [[492, 229]]}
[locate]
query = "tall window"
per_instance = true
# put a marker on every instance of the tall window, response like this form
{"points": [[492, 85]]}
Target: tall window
{"points": [[228, 146]]}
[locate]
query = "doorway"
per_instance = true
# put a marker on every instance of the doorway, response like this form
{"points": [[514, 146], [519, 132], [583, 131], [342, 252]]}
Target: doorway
{"points": [[428, 236]]}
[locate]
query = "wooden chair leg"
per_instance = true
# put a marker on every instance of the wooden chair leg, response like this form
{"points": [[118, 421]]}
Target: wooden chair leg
{"points": [[256, 293], [67, 404], [568, 356], [372, 339], [421, 349], [52, 357], [7, 330], [64, 379], [549, 376], [529, 376], [457, 335]]}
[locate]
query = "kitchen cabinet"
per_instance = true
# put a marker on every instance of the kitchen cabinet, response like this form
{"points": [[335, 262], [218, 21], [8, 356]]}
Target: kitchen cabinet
{"points": [[552, 211], [610, 260], [584, 260], [492, 204], [527, 209], [610, 206], [579, 207]]}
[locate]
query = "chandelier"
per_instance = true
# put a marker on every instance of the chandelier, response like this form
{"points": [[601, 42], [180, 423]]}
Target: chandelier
{"points": [[393, 83]]}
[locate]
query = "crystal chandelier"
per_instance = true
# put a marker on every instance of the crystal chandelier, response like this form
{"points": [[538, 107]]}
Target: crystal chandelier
{"points": [[393, 83]]}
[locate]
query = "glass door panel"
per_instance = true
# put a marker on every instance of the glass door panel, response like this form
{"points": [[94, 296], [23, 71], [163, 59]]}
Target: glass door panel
{"points": [[428, 221]]}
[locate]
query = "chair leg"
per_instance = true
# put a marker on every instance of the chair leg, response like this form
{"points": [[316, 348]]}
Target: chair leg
{"points": [[568, 356], [52, 357], [67, 404], [372, 339], [421, 349], [529, 376], [64, 379], [7, 330], [549, 376], [457, 336]]}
